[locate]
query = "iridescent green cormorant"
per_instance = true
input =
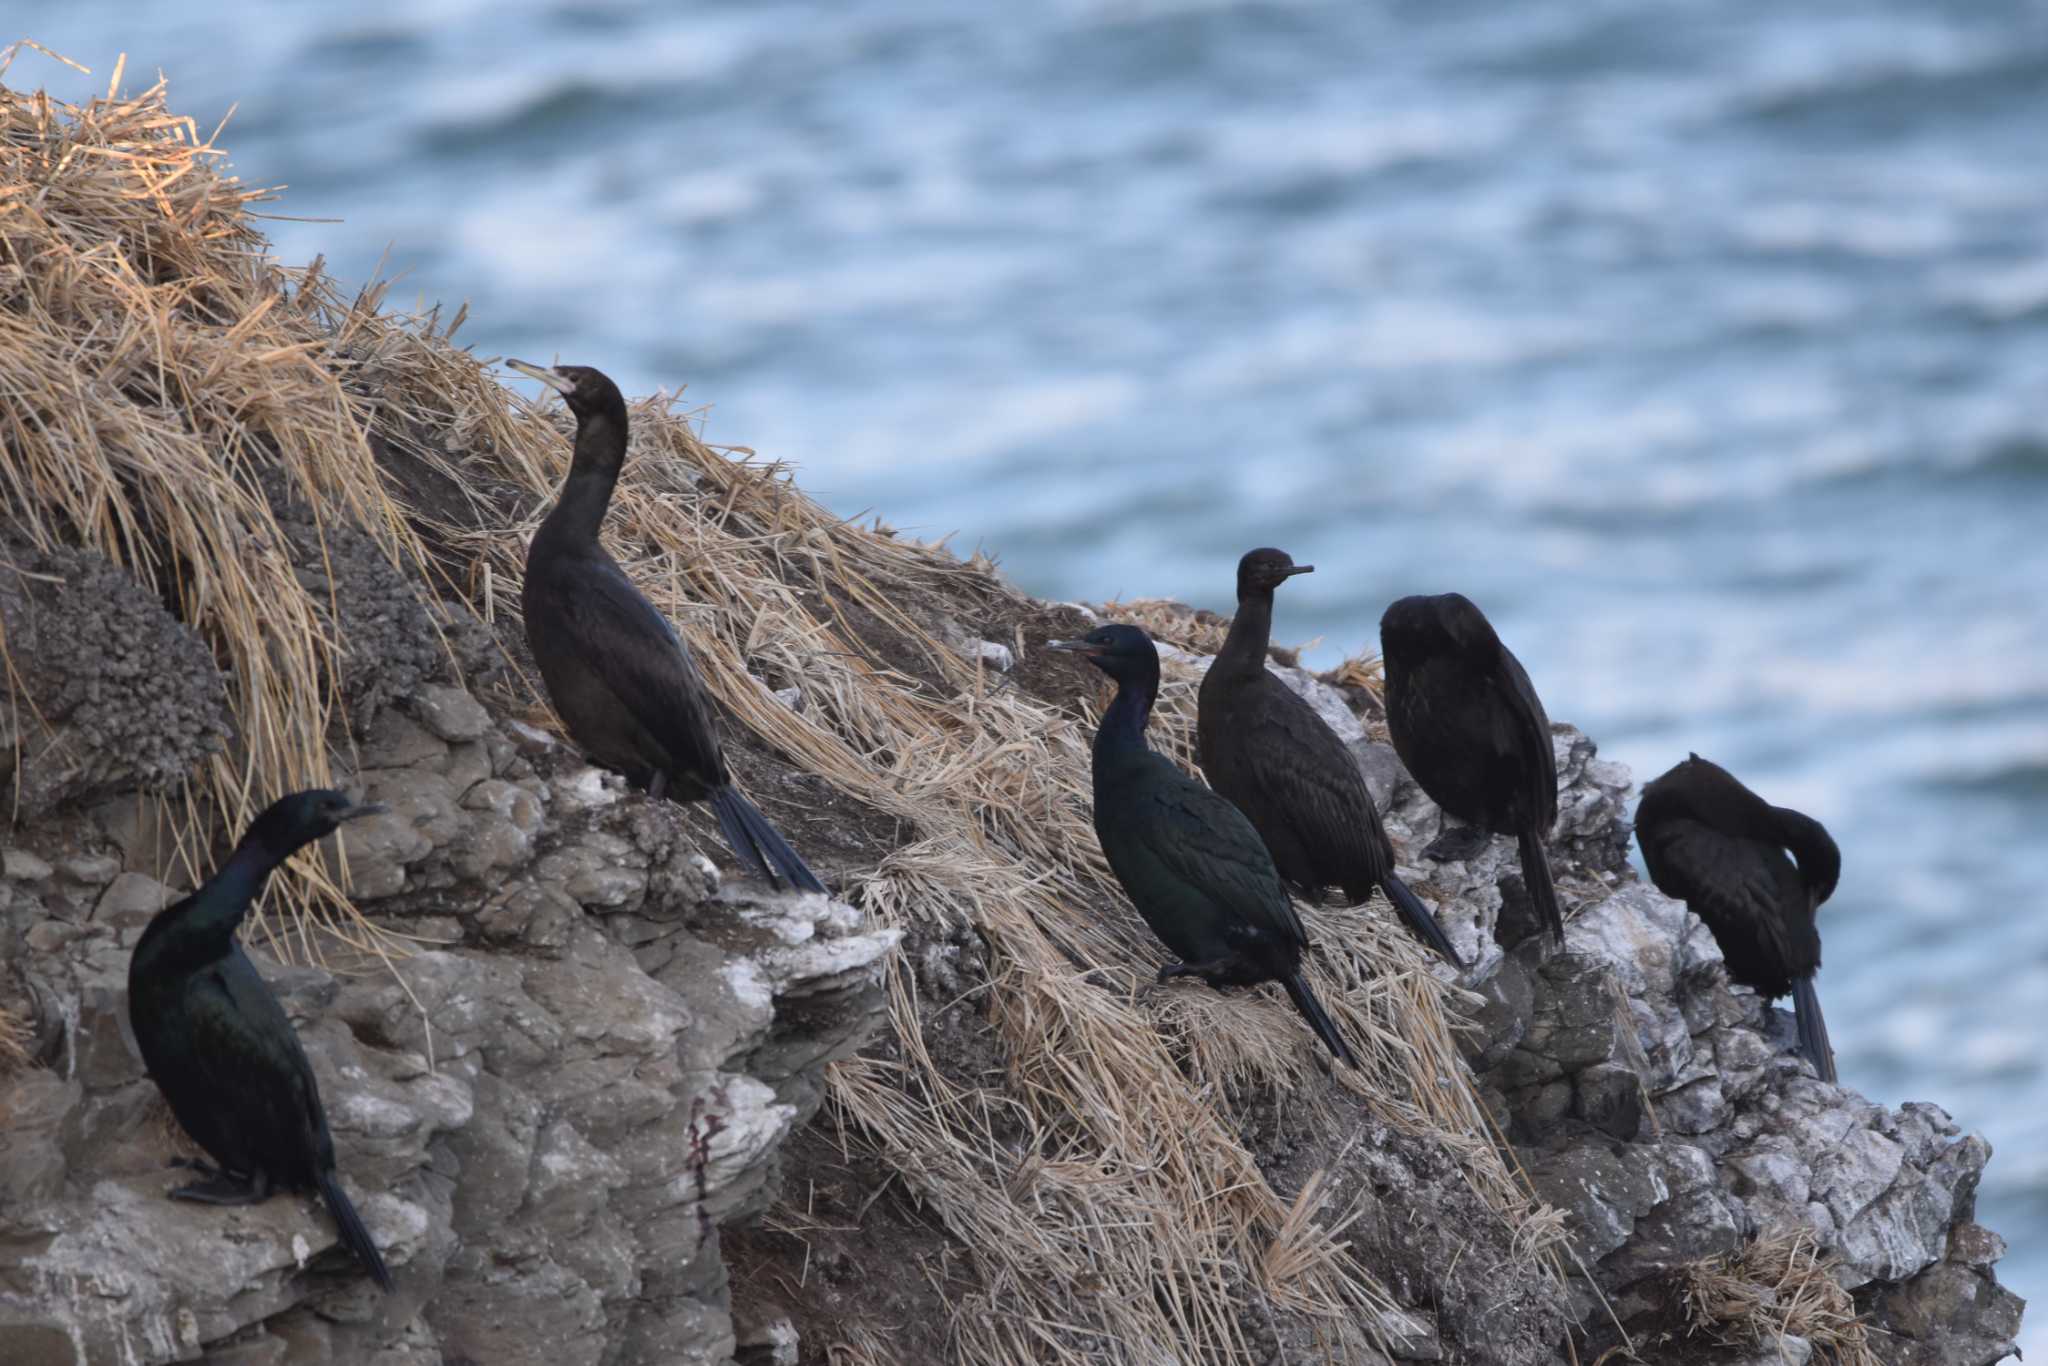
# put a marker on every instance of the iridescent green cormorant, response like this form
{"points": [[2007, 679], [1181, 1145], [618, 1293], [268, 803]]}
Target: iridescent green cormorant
{"points": [[1721, 849], [1265, 749], [620, 677], [1466, 721], [1189, 860], [220, 1047]]}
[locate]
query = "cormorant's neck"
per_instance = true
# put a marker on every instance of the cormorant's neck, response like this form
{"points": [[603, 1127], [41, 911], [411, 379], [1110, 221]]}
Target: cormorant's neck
{"points": [[593, 473], [216, 909], [1251, 632], [1123, 725], [1813, 849]]}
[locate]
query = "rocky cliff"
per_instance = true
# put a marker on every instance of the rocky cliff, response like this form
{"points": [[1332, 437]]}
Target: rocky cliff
{"points": [[601, 1105]]}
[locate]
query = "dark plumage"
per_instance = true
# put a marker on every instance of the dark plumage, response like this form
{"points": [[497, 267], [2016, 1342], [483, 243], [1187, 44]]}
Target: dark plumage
{"points": [[220, 1047], [620, 677], [1265, 749], [1188, 859], [1466, 721], [1721, 849]]}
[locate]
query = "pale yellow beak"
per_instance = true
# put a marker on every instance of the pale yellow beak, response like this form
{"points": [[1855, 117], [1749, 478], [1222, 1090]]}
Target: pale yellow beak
{"points": [[543, 374]]}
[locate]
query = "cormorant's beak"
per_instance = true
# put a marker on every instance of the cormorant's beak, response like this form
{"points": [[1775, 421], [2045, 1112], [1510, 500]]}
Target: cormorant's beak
{"points": [[545, 376], [1299, 569], [361, 809], [1076, 647]]}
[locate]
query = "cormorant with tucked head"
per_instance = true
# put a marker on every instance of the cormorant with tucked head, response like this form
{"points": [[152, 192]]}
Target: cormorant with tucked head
{"points": [[1265, 749], [1721, 849], [220, 1047], [1189, 860], [620, 677], [1466, 721]]}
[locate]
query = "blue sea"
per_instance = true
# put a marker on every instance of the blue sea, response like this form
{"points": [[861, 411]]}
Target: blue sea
{"points": [[1704, 344]]}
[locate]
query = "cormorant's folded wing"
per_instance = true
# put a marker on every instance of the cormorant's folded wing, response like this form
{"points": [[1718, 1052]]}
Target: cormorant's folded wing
{"points": [[1307, 772], [1527, 735], [245, 1044], [1206, 844], [645, 664], [1721, 877]]}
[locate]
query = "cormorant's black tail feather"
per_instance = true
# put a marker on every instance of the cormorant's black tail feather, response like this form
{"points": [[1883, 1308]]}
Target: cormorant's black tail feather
{"points": [[1813, 1030], [354, 1236], [757, 843], [1312, 1010], [1536, 877], [1419, 919]]}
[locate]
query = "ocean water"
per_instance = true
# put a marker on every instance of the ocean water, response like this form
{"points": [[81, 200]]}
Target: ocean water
{"points": [[1704, 344]]}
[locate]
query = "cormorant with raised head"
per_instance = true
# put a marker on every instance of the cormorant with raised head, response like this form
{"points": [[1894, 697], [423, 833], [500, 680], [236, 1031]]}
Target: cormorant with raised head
{"points": [[1265, 749], [1721, 849], [1189, 860], [620, 677], [220, 1047], [1466, 721]]}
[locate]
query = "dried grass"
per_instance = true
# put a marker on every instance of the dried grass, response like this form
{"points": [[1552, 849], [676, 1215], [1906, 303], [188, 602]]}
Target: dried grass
{"points": [[152, 366], [157, 358], [15, 1038], [1781, 1284]]}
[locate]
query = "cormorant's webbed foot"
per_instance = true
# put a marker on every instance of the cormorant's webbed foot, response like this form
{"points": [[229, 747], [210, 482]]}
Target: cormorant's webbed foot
{"points": [[1206, 971], [1456, 844], [226, 1189], [194, 1164]]}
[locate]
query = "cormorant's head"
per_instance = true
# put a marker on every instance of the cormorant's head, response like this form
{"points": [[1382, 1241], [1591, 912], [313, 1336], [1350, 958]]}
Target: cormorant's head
{"points": [[303, 817], [1263, 570], [1123, 652], [1444, 622], [588, 392]]}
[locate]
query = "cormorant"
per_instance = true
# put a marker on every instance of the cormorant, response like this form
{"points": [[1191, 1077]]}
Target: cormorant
{"points": [[1466, 721], [1265, 749], [1188, 859], [620, 677], [220, 1047], [1718, 847]]}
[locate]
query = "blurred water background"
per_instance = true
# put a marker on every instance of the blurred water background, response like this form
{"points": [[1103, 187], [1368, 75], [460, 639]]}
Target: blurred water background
{"points": [[1704, 344]]}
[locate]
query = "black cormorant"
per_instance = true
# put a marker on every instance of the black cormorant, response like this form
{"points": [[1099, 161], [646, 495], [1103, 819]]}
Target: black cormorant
{"points": [[1188, 859], [620, 677], [1721, 849], [220, 1047], [1265, 749], [1466, 721]]}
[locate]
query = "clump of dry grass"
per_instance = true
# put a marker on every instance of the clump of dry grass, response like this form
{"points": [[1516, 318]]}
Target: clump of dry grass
{"points": [[1779, 1285], [15, 1037], [152, 367], [1100, 1181]]}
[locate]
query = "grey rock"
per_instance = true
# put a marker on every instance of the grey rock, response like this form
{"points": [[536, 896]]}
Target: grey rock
{"points": [[1602, 1193], [92, 870], [23, 866], [132, 900], [450, 713], [1951, 1315]]}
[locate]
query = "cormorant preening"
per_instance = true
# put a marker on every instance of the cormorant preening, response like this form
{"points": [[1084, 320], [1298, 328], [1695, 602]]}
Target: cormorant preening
{"points": [[219, 1046], [1265, 749], [620, 677], [1718, 847], [1188, 859], [1466, 721]]}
